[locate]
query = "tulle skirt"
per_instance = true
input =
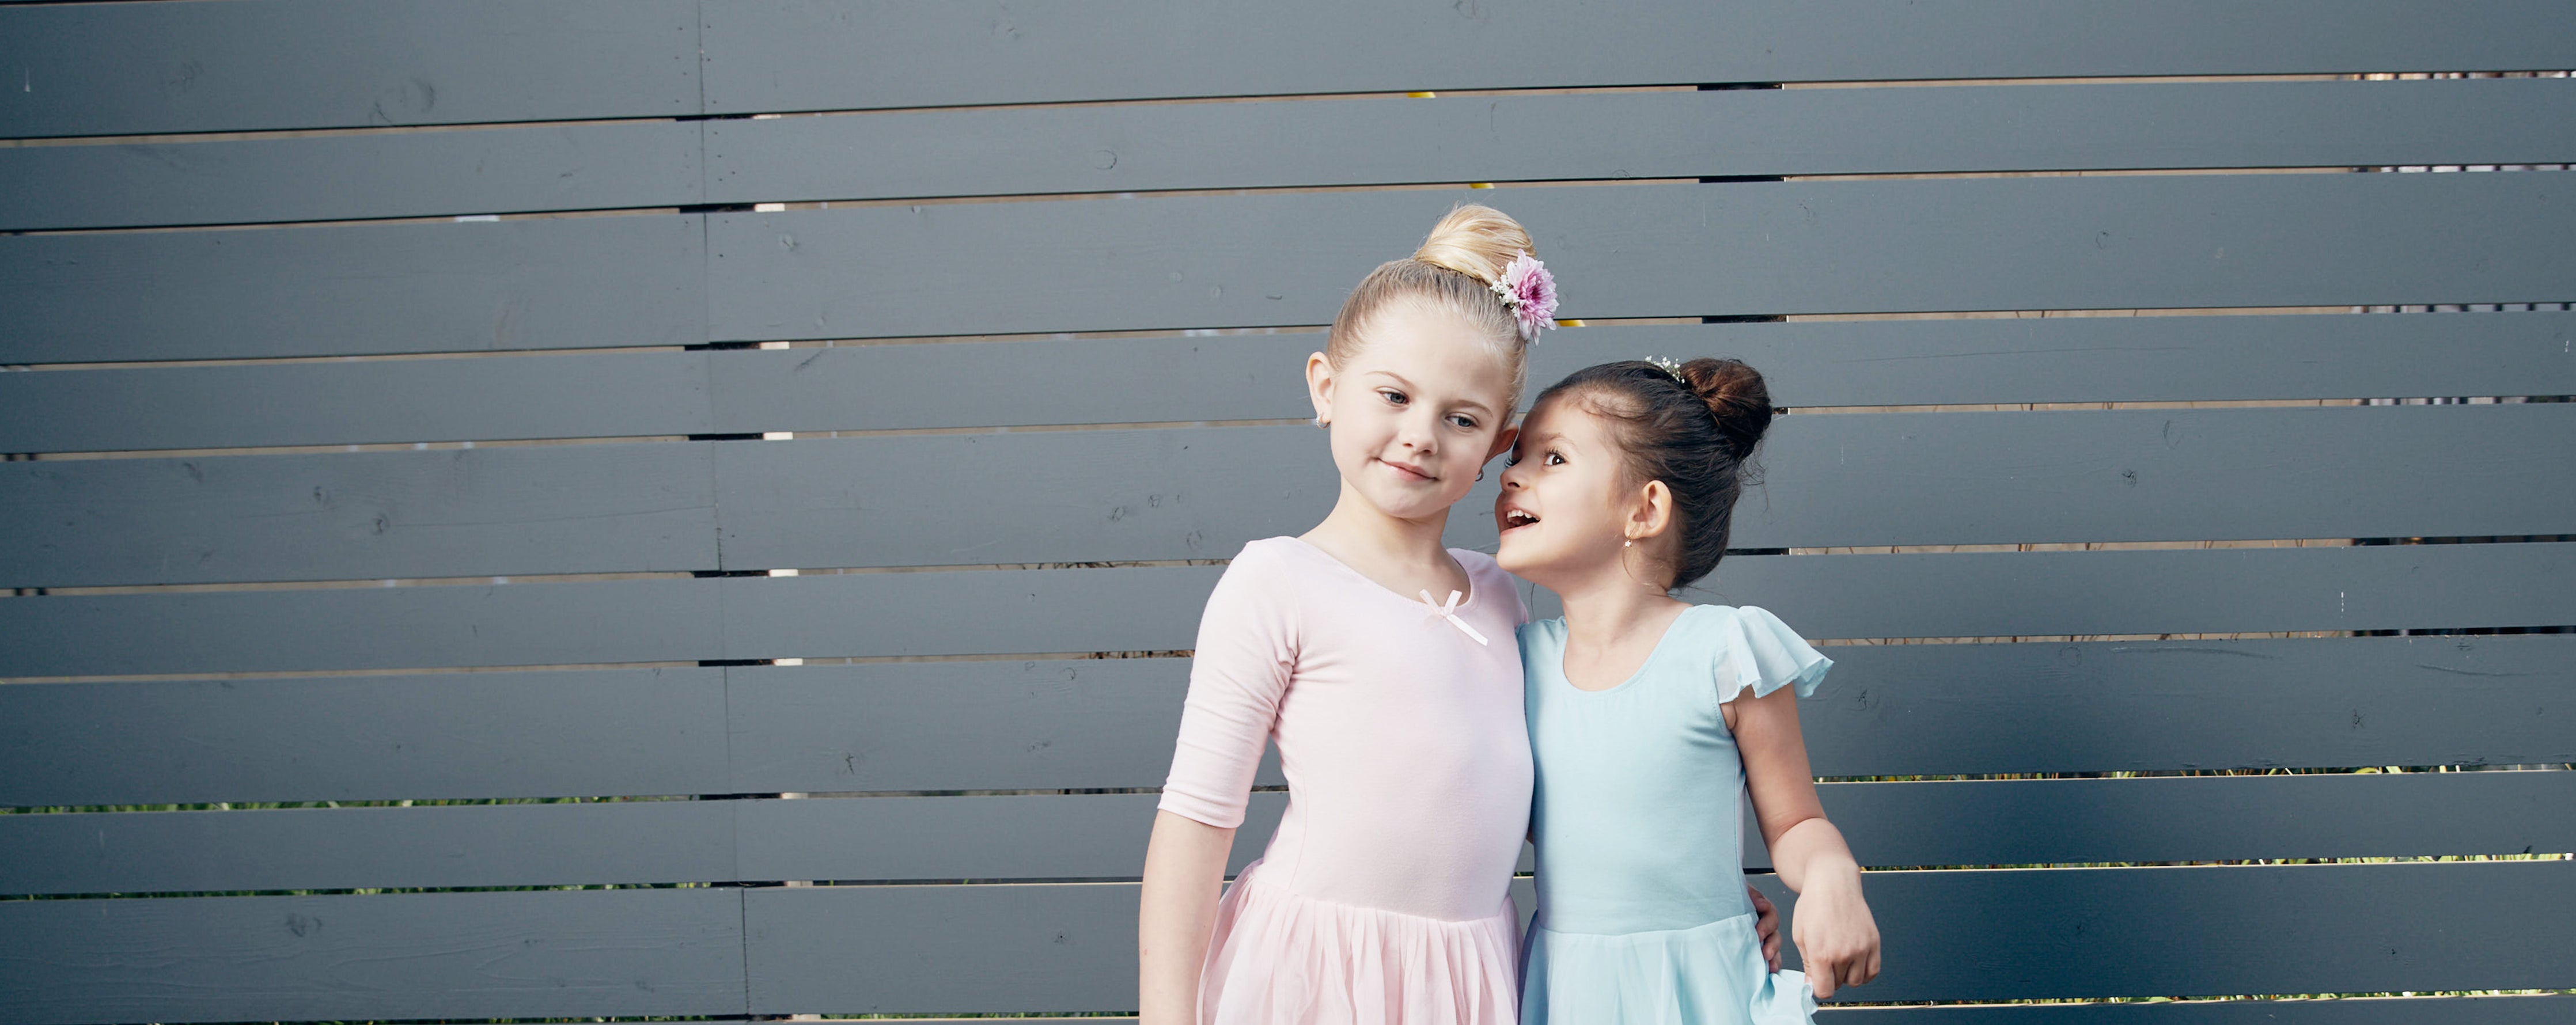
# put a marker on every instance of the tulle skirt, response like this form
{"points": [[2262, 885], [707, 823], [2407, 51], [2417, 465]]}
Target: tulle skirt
{"points": [[1282, 959], [1709, 975]]}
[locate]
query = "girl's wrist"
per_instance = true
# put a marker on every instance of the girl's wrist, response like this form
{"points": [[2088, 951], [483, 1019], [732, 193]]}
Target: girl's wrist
{"points": [[1837, 875]]}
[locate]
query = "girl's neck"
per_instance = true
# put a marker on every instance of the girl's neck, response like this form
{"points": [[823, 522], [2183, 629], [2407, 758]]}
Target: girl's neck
{"points": [[1402, 554], [1613, 606]]}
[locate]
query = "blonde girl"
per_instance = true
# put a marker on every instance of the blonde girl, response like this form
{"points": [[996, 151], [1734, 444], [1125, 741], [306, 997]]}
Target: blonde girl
{"points": [[1384, 666]]}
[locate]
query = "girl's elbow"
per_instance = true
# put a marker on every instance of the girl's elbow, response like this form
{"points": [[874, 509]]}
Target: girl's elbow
{"points": [[1778, 830]]}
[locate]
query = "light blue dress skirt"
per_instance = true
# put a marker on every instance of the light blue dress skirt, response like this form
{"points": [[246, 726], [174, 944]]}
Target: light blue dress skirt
{"points": [[1642, 917]]}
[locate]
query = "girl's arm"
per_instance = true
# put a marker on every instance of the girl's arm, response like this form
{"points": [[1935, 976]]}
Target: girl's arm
{"points": [[1184, 867], [1833, 929], [1238, 675]]}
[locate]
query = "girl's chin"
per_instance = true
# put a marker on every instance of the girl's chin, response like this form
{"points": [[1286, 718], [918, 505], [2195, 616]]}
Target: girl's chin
{"points": [[1517, 559], [1410, 503]]}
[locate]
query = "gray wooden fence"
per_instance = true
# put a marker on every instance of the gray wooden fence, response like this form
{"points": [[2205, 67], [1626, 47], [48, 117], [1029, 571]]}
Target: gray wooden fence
{"points": [[530, 708]]}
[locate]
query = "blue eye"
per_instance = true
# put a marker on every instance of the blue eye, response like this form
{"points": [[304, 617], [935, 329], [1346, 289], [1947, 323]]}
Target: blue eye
{"points": [[1465, 423], [1393, 397]]}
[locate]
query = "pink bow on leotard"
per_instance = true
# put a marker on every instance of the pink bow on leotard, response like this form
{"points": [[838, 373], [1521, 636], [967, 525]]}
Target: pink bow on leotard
{"points": [[1450, 613]]}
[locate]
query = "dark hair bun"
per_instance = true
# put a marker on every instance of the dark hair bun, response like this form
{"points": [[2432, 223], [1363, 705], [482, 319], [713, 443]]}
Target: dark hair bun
{"points": [[1736, 397]]}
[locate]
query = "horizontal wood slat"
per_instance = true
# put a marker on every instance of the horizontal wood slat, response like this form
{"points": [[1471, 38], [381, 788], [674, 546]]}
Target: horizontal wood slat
{"points": [[1949, 936], [2017, 935], [979, 612], [1252, 377], [450, 513], [583, 282], [982, 725], [125, 69], [2162, 475], [1004, 725], [554, 395], [1159, 263], [1653, 251], [894, 949], [926, 838], [440, 955], [2251, 590], [352, 848], [1971, 478], [817, 56], [353, 177], [369, 738], [1009, 612], [1730, 133], [270, 64], [627, 842], [2199, 818], [2210, 818], [1135, 148], [927, 726], [2112, 706]]}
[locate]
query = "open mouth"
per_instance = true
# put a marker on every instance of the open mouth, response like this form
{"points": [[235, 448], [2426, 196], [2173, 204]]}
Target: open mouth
{"points": [[1514, 518]]}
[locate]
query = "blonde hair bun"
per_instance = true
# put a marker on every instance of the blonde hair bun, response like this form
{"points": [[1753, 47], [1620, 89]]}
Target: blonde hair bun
{"points": [[1477, 241], [1454, 272]]}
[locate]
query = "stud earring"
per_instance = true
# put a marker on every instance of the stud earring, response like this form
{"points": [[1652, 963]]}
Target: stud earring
{"points": [[1629, 543]]}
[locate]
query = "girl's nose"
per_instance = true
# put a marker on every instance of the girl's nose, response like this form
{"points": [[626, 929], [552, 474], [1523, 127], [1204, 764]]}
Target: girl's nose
{"points": [[1416, 433]]}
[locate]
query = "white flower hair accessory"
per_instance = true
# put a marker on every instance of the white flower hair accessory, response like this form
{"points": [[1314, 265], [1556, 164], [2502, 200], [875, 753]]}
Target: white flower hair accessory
{"points": [[1666, 364], [1529, 291]]}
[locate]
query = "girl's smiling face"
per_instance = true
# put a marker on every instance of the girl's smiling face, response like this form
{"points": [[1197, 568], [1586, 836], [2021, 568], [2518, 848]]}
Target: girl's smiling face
{"points": [[1566, 508], [1416, 411]]}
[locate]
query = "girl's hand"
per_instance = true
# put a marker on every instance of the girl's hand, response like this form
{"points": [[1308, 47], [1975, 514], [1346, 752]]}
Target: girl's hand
{"points": [[1835, 932], [1766, 924]]}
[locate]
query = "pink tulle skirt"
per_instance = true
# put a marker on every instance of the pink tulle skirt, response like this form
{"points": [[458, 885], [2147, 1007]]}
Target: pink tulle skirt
{"points": [[1282, 959]]}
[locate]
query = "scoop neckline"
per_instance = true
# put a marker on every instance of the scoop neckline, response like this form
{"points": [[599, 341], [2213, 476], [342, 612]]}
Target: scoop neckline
{"points": [[1469, 601], [1656, 652]]}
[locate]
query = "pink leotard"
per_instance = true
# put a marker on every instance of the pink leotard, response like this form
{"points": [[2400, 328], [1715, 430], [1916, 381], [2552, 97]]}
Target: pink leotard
{"points": [[1383, 897]]}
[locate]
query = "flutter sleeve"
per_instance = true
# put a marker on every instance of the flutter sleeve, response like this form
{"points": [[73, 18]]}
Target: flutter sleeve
{"points": [[1763, 654], [1246, 653]]}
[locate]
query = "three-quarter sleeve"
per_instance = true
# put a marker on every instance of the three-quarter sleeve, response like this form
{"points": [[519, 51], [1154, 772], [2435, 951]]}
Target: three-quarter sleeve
{"points": [[1764, 655], [1246, 653]]}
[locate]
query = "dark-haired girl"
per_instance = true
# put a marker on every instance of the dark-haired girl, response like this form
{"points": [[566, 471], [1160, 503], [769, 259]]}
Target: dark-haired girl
{"points": [[1648, 716]]}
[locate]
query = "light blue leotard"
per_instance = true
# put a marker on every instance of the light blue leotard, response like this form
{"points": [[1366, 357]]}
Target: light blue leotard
{"points": [[1642, 916]]}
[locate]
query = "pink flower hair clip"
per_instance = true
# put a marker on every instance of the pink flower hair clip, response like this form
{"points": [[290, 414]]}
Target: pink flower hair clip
{"points": [[1529, 291]]}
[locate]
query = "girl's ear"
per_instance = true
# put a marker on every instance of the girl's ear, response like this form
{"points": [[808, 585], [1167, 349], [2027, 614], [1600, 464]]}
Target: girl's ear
{"points": [[1652, 512], [1319, 386], [1503, 440]]}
